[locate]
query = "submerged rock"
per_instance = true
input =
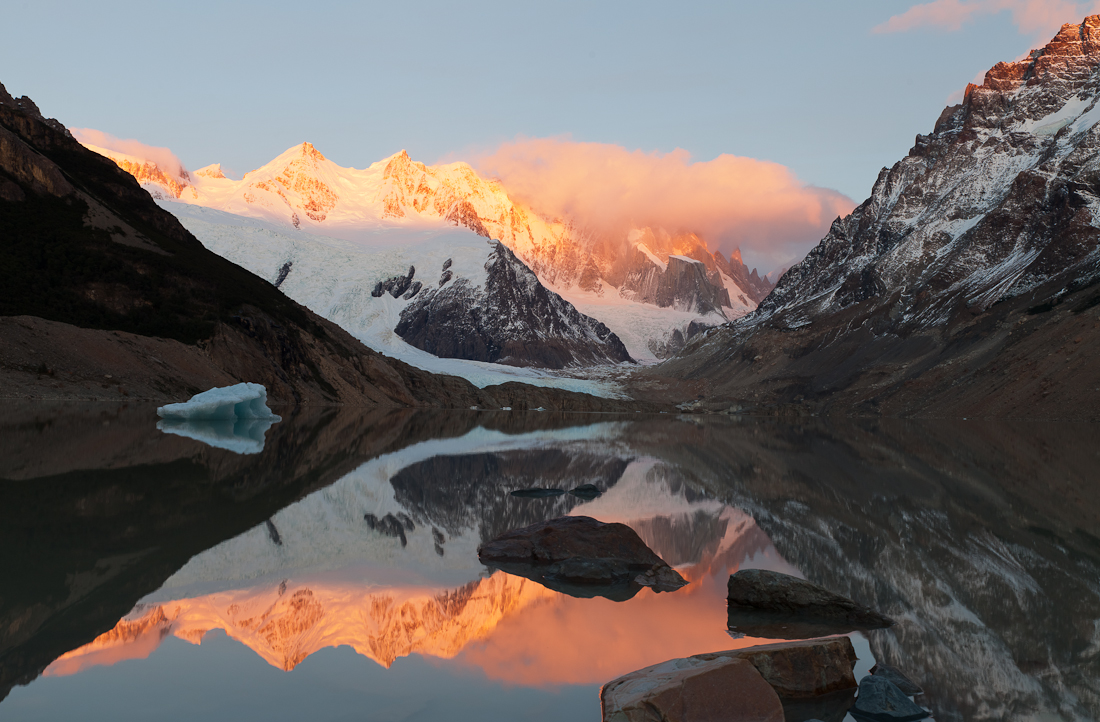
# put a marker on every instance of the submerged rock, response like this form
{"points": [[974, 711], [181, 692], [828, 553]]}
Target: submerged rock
{"points": [[880, 700], [769, 604], [895, 675], [581, 557], [690, 690]]}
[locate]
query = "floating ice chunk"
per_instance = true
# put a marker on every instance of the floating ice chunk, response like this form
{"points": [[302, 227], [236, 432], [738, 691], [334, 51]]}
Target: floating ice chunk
{"points": [[241, 401], [241, 436]]}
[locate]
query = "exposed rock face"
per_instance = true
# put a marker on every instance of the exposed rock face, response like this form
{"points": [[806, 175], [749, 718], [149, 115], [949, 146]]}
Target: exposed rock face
{"points": [[767, 603], [946, 288], [510, 318], [582, 557], [683, 285], [756, 287], [691, 690]]}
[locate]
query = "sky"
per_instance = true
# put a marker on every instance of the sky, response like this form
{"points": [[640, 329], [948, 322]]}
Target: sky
{"points": [[830, 91]]}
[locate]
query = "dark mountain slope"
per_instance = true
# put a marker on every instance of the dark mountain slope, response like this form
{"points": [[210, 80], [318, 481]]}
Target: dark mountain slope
{"points": [[967, 284]]}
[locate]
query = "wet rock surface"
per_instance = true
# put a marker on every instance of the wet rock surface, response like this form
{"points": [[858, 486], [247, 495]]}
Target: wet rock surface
{"points": [[801, 670], [581, 557], [880, 700], [691, 690], [803, 679], [770, 604], [895, 675]]}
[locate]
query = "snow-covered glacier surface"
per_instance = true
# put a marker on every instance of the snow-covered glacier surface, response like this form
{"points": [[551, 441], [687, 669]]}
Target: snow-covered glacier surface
{"points": [[335, 279]]}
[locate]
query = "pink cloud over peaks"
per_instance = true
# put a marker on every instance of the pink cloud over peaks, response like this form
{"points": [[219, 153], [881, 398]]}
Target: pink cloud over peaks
{"points": [[165, 159], [1039, 18], [730, 201]]}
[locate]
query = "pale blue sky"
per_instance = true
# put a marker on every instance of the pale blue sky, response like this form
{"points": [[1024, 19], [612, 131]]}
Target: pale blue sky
{"points": [[804, 83]]}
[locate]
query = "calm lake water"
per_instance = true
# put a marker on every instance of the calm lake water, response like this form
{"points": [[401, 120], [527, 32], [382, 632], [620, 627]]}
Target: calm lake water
{"points": [[152, 574]]}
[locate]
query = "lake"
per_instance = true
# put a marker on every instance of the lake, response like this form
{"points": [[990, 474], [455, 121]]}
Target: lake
{"points": [[330, 571]]}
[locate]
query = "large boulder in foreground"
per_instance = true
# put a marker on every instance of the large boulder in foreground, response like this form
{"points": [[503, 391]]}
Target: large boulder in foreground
{"points": [[805, 679], [769, 604], [582, 557], [692, 690], [800, 670]]}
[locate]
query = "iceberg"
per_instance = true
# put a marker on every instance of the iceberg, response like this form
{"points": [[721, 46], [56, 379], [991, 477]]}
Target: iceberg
{"points": [[226, 403], [235, 418]]}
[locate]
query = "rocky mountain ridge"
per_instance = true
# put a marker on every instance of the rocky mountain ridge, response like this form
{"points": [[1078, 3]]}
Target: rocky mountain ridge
{"points": [[975, 259]]}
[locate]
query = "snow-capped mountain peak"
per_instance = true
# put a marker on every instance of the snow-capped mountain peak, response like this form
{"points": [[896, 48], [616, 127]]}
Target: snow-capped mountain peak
{"points": [[622, 279]]}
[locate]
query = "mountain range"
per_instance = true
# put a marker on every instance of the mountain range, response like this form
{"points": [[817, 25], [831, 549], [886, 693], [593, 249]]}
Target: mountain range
{"points": [[967, 284], [651, 288]]}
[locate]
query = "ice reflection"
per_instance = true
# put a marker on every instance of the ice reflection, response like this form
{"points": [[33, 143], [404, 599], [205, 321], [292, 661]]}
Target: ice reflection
{"points": [[241, 436]]}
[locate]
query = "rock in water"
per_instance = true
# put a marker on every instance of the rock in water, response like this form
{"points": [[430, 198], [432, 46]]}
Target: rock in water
{"points": [[769, 604], [586, 491], [801, 670], [691, 690], [895, 675], [582, 557], [880, 700]]}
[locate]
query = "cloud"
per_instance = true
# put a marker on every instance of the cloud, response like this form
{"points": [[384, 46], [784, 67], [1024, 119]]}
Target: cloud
{"points": [[1038, 18], [729, 201], [165, 159]]}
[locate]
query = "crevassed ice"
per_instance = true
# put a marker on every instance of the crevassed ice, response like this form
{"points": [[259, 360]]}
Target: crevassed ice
{"points": [[240, 401]]}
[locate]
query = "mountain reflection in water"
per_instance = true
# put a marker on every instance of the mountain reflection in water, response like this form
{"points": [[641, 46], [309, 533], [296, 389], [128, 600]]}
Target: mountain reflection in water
{"points": [[387, 602], [982, 540]]}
